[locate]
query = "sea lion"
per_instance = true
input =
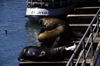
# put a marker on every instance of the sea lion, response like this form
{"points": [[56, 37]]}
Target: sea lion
{"points": [[45, 54], [53, 29]]}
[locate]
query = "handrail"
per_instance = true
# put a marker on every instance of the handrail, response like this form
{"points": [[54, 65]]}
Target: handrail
{"points": [[84, 45]]}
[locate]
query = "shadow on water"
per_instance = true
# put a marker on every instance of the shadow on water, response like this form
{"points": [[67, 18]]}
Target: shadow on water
{"points": [[33, 29]]}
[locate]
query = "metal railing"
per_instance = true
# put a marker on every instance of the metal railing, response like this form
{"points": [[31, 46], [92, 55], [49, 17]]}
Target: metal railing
{"points": [[84, 44]]}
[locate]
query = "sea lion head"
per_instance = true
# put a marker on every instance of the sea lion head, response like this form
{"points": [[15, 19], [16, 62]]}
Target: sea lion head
{"points": [[49, 23], [30, 53]]}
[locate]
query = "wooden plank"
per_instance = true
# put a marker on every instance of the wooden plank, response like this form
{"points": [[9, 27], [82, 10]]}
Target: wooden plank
{"points": [[88, 61], [44, 62], [82, 25], [95, 41], [81, 15], [95, 7]]}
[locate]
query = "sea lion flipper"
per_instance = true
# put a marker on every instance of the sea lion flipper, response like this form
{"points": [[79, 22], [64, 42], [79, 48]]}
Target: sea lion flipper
{"points": [[71, 48], [56, 42]]}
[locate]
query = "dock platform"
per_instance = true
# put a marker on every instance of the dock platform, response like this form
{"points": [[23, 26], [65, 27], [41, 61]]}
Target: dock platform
{"points": [[90, 61]]}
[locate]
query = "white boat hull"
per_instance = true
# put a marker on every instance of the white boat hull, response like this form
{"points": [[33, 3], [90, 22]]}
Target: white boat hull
{"points": [[43, 12]]}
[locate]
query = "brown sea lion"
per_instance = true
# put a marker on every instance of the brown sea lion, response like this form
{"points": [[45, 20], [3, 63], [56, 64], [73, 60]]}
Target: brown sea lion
{"points": [[44, 53], [54, 29]]}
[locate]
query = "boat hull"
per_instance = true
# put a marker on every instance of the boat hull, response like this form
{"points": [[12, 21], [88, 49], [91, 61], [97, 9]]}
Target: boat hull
{"points": [[37, 13]]}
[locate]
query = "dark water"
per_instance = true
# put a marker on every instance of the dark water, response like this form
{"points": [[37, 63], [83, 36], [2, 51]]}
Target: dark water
{"points": [[21, 32]]}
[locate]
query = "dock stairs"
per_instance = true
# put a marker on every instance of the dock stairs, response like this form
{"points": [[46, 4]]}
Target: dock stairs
{"points": [[84, 18]]}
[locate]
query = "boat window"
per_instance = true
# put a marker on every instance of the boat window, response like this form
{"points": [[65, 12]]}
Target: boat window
{"points": [[47, 3], [57, 3], [47, 0], [60, 3], [34, 3], [65, 2]]}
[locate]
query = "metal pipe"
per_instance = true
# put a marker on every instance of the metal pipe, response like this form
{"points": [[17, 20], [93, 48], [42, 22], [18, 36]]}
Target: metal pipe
{"points": [[83, 46], [96, 34], [88, 40], [71, 64], [88, 50], [84, 62], [80, 55], [98, 24], [91, 31], [95, 27], [70, 60], [90, 45]]}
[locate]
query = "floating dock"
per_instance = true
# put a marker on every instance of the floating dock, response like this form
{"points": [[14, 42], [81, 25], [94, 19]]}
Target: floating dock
{"points": [[90, 61]]}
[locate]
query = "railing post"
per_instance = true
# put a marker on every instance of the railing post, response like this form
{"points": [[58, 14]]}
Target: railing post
{"points": [[83, 46], [91, 32], [31, 3], [98, 24], [71, 64], [41, 3]]}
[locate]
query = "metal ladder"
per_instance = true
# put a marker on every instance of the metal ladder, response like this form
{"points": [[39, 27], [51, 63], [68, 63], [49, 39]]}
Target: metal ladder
{"points": [[84, 44]]}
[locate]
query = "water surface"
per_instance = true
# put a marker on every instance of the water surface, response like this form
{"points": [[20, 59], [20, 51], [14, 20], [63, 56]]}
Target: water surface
{"points": [[20, 31]]}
